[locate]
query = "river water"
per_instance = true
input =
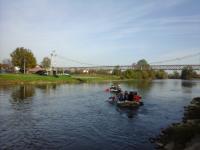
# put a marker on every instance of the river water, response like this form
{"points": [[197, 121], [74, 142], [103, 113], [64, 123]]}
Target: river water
{"points": [[78, 116]]}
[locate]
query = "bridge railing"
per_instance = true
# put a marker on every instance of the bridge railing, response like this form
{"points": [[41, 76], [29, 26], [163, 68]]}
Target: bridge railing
{"points": [[174, 67], [124, 67]]}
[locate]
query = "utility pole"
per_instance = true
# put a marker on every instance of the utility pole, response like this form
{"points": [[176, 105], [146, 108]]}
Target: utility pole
{"points": [[51, 65], [55, 64], [51, 71], [24, 66]]}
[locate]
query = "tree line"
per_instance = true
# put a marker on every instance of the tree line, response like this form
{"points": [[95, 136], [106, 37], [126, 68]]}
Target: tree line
{"points": [[143, 71], [25, 59]]}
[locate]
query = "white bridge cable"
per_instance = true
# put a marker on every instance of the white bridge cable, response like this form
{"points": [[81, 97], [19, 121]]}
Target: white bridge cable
{"points": [[157, 62], [75, 61], [176, 59]]}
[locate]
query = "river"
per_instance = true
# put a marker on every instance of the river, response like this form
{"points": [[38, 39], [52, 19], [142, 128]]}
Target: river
{"points": [[78, 116]]}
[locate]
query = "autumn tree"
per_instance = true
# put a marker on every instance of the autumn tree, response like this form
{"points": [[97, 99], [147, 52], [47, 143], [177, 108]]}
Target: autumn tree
{"points": [[23, 58]]}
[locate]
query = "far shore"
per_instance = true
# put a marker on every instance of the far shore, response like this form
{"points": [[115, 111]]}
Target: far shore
{"points": [[8, 79]]}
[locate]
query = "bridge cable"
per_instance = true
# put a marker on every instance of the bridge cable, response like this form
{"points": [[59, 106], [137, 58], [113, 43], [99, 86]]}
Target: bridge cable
{"points": [[76, 61], [175, 59]]}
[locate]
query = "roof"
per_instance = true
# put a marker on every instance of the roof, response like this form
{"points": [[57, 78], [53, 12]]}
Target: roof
{"points": [[36, 69]]}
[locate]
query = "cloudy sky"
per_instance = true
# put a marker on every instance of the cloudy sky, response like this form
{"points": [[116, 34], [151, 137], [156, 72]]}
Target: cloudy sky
{"points": [[102, 32]]}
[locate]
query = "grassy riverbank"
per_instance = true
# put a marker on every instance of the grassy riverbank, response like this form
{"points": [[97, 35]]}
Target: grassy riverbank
{"points": [[184, 135], [33, 78]]}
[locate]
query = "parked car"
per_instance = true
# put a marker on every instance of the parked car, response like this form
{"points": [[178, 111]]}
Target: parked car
{"points": [[42, 72], [66, 74]]}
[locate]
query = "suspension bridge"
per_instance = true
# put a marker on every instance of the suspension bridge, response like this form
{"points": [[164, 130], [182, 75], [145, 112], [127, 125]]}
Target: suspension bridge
{"points": [[160, 65], [125, 67]]}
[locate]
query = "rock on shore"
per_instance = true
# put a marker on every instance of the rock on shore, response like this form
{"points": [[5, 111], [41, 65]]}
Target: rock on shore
{"points": [[184, 135]]}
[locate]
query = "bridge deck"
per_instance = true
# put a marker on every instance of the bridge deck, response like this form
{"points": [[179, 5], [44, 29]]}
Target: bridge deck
{"points": [[124, 67]]}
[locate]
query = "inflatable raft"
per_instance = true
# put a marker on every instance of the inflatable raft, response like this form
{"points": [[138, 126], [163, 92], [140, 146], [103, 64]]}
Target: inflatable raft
{"points": [[132, 104]]}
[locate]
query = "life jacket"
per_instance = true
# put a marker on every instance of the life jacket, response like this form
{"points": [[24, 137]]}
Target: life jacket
{"points": [[137, 98]]}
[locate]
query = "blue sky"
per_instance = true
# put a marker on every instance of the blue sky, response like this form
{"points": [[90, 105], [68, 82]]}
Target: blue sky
{"points": [[103, 32]]}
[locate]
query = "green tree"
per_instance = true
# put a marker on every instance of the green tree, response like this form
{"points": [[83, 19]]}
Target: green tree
{"points": [[117, 71], [46, 62], [23, 57], [187, 73], [145, 74], [102, 71], [143, 65], [129, 73], [174, 75], [152, 74], [161, 74]]}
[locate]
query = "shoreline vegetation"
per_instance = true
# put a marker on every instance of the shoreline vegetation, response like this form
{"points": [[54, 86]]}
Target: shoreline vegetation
{"points": [[184, 135], [39, 79], [11, 78]]}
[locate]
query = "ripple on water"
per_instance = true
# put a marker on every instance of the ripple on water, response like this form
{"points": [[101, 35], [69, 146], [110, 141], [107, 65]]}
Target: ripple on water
{"points": [[79, 117]]}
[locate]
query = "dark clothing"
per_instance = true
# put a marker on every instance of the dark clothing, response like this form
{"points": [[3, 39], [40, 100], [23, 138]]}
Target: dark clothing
{"points": [[126, 96], [130, 96], [134, 93], [120, 96]]}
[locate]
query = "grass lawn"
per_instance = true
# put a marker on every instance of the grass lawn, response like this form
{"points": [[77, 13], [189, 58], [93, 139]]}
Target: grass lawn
{"points": [[33, 78]]}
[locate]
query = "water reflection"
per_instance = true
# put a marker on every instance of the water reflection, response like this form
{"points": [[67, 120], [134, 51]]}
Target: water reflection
{"points": [[130, 112], [25, 92], [46, 87], [22, 93], [144, 85], [188, 84], [4, 88]]}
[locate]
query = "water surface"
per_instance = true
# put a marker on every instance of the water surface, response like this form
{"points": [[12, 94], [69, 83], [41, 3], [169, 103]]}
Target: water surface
{"points": [[78, 116]]}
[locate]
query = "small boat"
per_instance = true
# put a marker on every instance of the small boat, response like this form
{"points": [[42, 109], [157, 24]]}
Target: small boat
{"points": [[115, 89], [134, 103], [131, 104]]}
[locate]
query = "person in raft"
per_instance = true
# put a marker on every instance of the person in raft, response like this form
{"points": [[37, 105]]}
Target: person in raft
{"points": [[137, 98], [130, 96], [121, 96], [125, 95]]}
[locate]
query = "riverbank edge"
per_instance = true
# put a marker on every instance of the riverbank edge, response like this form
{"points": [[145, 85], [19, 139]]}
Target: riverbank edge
{"points": [[184, 135], [78, 81], [36, 79]]}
